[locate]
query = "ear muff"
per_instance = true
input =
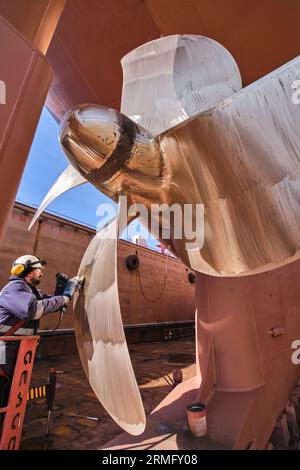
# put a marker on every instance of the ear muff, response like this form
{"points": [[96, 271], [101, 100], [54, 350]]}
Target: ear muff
{"points": [[17, 269], [25, 268]]}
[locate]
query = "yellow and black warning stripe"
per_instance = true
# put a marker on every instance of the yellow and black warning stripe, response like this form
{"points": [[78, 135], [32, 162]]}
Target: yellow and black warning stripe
{"points": [[37, 392]]}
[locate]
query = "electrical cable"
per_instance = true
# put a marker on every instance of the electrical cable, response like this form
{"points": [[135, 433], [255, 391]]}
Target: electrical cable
{"points": [[163, 288], [61, 315]]}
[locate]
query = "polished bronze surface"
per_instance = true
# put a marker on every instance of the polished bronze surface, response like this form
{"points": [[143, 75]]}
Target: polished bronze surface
{"points": [[239, 158], [173, 78]]}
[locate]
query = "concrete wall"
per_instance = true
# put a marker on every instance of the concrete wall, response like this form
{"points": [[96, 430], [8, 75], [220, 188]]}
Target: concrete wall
{"points": [[62, 244]]}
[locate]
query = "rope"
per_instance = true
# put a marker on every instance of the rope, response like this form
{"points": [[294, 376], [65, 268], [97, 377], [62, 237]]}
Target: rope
{"points": [[163, 287]]}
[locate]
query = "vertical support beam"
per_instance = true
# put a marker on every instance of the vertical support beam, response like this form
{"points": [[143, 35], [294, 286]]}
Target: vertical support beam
{"points": [[36, 20]]}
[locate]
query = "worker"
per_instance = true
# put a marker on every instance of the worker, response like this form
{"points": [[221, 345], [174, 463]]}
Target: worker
{"points": [[22, 305]]}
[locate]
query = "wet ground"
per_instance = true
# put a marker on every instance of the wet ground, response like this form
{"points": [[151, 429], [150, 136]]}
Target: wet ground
{"points": [[78, 420]]}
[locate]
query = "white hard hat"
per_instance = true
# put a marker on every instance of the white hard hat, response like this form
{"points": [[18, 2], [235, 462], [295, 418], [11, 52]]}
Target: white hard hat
{"points": [[26, 263]]}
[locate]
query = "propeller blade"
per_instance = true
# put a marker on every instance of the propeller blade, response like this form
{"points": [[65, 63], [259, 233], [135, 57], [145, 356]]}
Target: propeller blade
{"points": [[173, 78], [100, 335]]}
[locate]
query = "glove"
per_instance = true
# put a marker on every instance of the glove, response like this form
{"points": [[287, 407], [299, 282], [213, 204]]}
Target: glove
{"points": [[61, 281], [71, 287]]}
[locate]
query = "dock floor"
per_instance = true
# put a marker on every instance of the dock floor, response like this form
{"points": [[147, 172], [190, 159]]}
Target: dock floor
{"points": [[74, 396]]}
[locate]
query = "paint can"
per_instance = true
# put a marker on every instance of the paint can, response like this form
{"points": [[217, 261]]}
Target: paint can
{"points": [[196, 418]]}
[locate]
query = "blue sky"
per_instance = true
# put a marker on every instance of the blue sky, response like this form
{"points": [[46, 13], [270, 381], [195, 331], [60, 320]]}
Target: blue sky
{"points": [[45, 163]]}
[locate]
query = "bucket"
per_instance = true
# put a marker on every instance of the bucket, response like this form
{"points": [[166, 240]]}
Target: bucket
{"points": [[196, 417]]}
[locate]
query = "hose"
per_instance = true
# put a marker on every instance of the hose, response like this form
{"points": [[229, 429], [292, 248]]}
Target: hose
{"points": [[163, 287]]}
